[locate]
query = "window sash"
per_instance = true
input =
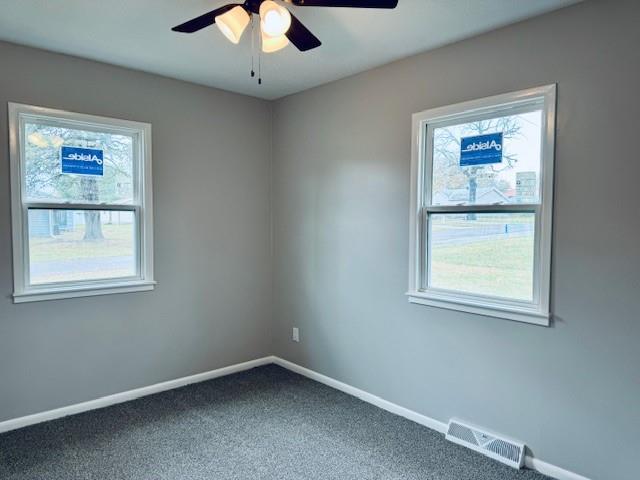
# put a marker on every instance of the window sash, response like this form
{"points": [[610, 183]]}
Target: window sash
{"points": [[85, 125], [137, 212], [425, 255], [428, 208], [488, 113]]}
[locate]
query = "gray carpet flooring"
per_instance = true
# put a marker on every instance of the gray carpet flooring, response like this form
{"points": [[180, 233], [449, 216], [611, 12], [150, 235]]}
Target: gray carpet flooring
{"points": [[265, 423]]}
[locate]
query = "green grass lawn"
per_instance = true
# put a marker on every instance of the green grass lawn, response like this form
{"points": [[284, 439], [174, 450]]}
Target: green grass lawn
{"points": [[499, 267], [118, 241], [502, 267]]}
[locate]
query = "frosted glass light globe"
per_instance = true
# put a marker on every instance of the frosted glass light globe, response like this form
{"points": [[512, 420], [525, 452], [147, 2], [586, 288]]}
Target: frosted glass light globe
{"points": [[275, 20]]}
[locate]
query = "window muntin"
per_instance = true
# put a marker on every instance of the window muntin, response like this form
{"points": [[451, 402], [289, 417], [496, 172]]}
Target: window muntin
{"points": [[481, 223], [82, 225]]}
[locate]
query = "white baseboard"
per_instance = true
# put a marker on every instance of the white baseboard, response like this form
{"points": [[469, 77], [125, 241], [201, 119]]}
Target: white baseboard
{"points": [[365, 396], [121, 397], [530, 462], [551, 470], [13, 424]]}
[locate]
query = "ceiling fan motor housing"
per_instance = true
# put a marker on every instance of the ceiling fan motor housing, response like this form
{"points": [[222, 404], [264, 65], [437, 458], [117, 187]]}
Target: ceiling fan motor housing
{"points": [[253, 6]]}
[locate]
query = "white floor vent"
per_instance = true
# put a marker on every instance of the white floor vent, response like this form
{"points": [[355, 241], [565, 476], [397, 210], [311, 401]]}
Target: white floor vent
{"points": [[494, 446]]}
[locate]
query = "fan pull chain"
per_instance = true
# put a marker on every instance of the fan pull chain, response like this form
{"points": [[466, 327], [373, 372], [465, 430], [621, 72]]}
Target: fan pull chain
{"points": [[253, 37], [260, 61], [255, 41]]}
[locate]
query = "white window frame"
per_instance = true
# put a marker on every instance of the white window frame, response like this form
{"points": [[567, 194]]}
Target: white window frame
{"points": [[536, 311], [142, 206]]}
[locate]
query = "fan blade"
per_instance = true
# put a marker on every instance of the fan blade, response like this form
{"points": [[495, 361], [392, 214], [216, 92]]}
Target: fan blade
{"points": [[203, 21], [347, 3], [301, 37]]}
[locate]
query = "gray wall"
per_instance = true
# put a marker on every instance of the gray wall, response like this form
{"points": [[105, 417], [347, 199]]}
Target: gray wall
{"points": [[340, 178], [212, 304], [341, 207]]}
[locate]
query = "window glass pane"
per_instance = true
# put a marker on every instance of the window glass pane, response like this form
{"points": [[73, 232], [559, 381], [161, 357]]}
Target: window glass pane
{"points": [[65, 164], [483, 253], [487, 162], [72, 245]]}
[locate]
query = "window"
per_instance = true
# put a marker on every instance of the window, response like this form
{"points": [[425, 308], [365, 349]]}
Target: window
{"points": [[482, 181], [81, 204]]}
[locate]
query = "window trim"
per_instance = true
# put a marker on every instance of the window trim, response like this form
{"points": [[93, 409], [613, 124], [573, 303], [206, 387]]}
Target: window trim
{"points": [[536, 312], [143, 208]]}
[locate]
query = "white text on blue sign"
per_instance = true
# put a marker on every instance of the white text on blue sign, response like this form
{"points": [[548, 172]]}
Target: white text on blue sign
{"points": [[82, 161], [481, 149]]}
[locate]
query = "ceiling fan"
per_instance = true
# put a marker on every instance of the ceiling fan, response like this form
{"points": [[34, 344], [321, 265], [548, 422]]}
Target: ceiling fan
{"points": [[278, 25]]}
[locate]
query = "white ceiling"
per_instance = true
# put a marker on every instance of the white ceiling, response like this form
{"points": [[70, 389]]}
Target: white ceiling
{"points": [[136, 34]]}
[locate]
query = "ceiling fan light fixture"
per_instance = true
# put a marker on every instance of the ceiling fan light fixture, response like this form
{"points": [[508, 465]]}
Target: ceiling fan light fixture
{"points": [[233, 23], [275, 20], [273, 44]]}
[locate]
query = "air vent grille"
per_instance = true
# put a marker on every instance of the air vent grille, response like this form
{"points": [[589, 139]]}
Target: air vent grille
{"points": [[505, 449], [462, 432], [489, 444]]}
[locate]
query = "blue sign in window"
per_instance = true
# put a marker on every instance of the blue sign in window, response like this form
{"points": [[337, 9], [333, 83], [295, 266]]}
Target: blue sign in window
{"points": [[82, 161], [481, 149]]}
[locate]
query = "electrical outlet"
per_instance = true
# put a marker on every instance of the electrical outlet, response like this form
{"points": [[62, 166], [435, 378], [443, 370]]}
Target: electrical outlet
{"points": [[295, 335]]}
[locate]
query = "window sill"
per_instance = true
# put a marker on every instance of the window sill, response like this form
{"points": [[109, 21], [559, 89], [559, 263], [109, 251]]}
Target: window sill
{"points": [[518, 314], [58, 293]]}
